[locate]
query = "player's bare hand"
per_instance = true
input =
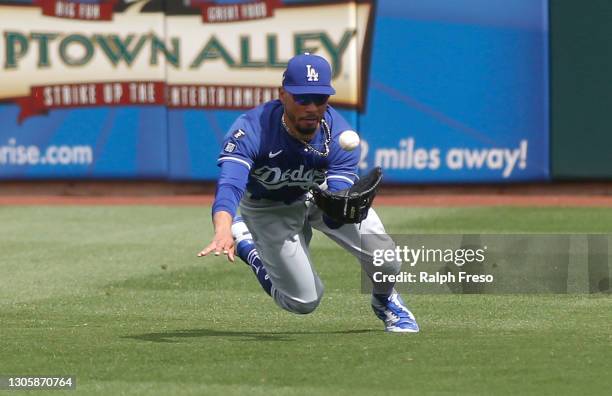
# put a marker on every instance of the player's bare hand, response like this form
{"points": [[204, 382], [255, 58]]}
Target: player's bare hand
{"points": [[221, 244]]}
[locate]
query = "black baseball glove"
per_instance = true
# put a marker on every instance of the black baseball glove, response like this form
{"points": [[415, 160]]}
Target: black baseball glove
{"points": [[350, 205]]}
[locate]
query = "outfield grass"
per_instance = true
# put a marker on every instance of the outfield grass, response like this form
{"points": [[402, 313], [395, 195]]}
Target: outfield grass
{"points": [[116, 296]]}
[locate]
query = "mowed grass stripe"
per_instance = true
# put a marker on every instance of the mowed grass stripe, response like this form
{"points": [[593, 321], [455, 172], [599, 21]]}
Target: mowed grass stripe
{"points": [[117, 296], [511, 342]]}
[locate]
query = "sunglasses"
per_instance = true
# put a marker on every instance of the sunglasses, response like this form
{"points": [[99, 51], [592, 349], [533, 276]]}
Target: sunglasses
{"points": [[306, 99]]}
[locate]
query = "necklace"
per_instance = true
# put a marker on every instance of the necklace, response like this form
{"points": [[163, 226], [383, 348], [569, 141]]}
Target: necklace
{"points": [[326, 131]]}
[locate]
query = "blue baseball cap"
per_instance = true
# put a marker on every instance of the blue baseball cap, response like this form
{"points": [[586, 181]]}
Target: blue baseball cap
{"points": [[308, 74]]}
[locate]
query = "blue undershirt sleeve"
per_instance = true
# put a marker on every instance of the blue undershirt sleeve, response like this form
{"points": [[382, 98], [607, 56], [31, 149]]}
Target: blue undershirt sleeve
{"points": [[334, 184], [230, 187]]}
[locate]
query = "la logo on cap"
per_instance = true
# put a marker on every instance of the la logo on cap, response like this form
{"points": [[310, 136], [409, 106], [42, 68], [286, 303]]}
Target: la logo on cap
{"points": [[311, 73], [308, 74]]}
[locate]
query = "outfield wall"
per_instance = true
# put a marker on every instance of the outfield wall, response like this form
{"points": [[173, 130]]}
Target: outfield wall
{"points": [[440, 90], [581, 139]]}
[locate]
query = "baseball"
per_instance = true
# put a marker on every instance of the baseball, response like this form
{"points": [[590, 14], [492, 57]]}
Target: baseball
{"points": [[349, 140]]}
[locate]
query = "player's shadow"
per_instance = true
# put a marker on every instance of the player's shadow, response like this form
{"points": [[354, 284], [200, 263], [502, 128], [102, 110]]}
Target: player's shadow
{"points": [[176, 335]]}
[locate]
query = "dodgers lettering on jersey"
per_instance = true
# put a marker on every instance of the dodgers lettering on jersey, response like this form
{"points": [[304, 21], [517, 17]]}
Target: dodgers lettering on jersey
{"points": [[281, 168]]}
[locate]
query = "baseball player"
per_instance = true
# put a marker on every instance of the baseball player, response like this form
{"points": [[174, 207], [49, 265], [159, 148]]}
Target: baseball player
{"points": [[271, 157]]}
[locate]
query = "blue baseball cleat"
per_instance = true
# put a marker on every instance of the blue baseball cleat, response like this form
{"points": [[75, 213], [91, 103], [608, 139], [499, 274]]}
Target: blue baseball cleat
{"points": [[394, 313]]}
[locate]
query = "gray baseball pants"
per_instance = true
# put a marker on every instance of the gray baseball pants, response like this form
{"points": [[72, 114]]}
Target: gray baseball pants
{"points": [[282, 235]]}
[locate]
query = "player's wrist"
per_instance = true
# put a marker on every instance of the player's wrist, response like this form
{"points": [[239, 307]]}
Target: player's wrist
{"points": [[223, 222], [223, 229]]}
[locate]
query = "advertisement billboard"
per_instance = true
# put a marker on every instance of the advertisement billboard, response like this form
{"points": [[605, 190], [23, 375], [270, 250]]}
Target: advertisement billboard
{"points": [[440, 91]]}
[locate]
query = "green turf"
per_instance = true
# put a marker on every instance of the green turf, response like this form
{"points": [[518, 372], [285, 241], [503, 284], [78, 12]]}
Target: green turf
{"points": [[117, 296]]}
